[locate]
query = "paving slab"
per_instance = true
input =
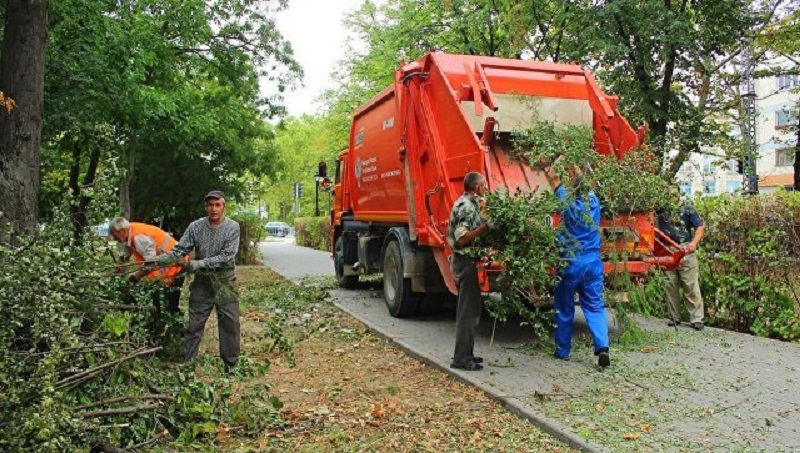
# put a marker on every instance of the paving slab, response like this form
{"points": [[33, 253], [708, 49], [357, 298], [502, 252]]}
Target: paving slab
{"points": [[678, 390]]}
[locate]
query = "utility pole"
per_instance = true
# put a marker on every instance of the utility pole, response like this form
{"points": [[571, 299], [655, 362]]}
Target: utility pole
{"points": [[748, 94]]}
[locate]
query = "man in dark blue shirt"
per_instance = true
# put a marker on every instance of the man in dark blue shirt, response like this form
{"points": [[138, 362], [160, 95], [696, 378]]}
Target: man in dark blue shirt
{"points": [[579, 245], [686, 227]]}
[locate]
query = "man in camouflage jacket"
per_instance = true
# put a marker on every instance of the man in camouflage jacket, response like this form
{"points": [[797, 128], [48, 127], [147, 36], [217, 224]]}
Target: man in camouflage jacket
{"points": [[466, 225]]}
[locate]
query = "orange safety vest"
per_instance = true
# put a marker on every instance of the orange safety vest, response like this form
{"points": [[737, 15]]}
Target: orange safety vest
{"points": [[164, 243]]}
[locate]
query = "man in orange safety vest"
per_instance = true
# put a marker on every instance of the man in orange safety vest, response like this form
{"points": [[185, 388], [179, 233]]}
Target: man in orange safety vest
{"points": [[144, 242]]}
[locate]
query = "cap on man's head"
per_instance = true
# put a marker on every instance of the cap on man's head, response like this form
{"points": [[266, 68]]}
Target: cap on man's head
{"points": [[217, 194]]}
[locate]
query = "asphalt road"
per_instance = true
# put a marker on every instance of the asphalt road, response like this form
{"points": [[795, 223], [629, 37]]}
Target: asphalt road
{"points": [[680, 390]]}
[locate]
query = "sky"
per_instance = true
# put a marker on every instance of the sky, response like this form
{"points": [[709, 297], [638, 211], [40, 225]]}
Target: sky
{"points": [[314, 27]]}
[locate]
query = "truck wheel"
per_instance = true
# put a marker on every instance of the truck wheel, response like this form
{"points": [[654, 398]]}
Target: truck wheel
{"points": [[396, 289], [344, 281]]}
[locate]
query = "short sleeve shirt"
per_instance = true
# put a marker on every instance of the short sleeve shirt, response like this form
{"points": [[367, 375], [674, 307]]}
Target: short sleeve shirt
{"points": [[681, 227], [465, 216]]}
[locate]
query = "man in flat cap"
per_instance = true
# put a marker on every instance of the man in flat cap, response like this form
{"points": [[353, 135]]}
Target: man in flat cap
{"points": [[215, 241]]}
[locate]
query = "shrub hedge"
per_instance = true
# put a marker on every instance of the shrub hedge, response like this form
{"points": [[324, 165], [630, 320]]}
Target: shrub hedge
{"points": [[313, 232], [750, 263]]}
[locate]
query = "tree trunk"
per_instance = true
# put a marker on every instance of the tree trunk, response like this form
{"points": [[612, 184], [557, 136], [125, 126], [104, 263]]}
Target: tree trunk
{"points": [[125, 182], [80, 201], [22, 79], [796, 184]]}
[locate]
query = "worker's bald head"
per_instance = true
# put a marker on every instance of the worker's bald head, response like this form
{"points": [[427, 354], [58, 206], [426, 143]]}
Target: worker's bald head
{"points": [[473, 180]]}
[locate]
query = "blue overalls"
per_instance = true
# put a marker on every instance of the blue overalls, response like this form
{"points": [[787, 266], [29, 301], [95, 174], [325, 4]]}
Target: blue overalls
{"points": [[580, 246]]}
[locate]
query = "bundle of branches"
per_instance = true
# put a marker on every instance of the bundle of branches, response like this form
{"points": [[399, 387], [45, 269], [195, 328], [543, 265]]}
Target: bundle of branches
{"points": [[751, 264], [525, 240], [81, 355], [525, 245], [624, 186]]}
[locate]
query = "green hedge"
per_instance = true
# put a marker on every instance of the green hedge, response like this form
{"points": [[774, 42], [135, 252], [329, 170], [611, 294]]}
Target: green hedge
{"points": [[750, 263], [313, 232]]}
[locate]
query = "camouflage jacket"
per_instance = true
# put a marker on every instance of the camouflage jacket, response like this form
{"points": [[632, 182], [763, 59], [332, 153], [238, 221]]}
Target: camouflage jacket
{"points": [[465, 216]]}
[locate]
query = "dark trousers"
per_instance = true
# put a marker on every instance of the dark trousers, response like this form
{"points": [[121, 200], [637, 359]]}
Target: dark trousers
{"points": [[172, 295], [468, 312], [205, 294]]}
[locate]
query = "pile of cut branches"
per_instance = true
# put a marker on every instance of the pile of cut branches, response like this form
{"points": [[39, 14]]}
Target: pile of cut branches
{"points": [[85, 356]]}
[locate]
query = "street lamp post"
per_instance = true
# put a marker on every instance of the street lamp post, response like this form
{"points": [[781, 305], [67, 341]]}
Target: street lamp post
{"points": [[322, 175]]}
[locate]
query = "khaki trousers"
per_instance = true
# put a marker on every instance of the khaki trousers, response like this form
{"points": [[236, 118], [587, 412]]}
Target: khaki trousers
{"points": [[686, 278]]}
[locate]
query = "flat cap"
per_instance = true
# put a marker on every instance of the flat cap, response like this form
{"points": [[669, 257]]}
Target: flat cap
{"points": [[215, 194]]}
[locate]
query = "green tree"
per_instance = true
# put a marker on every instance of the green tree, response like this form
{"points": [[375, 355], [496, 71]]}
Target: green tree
{"points": [[171, 96], [302, 143], [672, 62]]}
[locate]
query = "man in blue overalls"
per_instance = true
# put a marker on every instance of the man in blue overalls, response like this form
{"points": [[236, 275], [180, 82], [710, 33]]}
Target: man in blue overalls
{"points": [[579, 245]]}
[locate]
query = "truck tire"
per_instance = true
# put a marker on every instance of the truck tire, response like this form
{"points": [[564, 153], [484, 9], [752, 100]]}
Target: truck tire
{"points": [[344, 281], [397, 289]]}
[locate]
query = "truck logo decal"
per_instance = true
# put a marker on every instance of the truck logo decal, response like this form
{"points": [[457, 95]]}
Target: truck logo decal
{"points": [[359, 139], [357, 168], [388, 123]]}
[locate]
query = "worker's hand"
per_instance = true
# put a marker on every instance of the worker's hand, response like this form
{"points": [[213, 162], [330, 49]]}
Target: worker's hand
{"points": [[552, 176], [194, 265], [491, 224], [690, 247]]}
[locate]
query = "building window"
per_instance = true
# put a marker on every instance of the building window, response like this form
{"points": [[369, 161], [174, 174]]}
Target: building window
{"points": [[786, 81], [709, 187], [686, 188], [686, 167], [784, 118], [732, 164], [733, 186], [784, 157], [708, 164]]}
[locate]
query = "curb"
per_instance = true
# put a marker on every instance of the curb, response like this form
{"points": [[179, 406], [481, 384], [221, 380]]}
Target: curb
{"points": [[512, 404]]}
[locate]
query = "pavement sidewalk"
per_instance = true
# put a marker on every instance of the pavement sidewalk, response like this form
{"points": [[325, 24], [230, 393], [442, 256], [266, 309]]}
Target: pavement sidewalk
{"points": [[676, 390]]}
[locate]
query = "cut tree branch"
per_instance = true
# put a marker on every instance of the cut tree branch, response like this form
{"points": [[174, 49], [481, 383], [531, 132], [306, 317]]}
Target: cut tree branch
{"points": [[83, 376]]}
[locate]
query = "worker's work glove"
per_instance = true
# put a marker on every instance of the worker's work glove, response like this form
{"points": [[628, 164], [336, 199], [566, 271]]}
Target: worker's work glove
{"points": [[194, 265], [154, 260], [491, 224]]}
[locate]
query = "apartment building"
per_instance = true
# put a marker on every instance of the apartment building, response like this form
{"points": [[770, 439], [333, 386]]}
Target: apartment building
{"points": [[776, 103], [776, 107]]}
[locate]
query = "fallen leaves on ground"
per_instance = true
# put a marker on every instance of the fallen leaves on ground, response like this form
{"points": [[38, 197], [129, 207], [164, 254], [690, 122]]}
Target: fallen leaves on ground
{"points": [[353, 391]]}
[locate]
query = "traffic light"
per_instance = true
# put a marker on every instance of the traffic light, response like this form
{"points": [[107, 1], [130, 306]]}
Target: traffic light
{"points": [[299, 190], [322, 169], [740, 166]]}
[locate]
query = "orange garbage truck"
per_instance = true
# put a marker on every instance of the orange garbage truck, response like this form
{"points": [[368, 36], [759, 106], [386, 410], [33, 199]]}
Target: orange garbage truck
{"points": [[446, 115]]}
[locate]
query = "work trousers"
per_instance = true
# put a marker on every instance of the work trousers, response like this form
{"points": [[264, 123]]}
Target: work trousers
{"points": [[584, 275], [205, 294], [172, 295], [468, 312], [686, 278]]}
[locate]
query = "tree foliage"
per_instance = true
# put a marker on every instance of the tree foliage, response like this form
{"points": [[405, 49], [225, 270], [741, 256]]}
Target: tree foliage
{"points": [[673, 63], [171, 96]]}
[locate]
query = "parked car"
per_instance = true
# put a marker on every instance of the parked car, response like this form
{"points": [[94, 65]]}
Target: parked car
{"points": [[279, 229]]}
